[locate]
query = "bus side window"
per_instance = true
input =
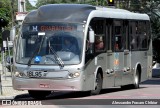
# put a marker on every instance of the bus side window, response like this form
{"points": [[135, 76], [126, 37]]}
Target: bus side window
{"points": [[143, 35], [118, 38], [98, 25], [117, 43], [99, 43], [134, 41]]}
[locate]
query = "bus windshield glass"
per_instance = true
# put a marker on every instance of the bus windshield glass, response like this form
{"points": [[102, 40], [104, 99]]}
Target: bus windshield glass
{"points": [[60, 44]]}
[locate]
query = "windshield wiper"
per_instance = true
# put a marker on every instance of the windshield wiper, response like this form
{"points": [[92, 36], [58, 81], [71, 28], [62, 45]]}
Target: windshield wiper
{"points": [[58, 59], [37, 49]]}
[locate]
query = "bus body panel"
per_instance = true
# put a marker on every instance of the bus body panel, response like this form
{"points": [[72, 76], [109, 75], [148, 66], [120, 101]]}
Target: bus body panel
{"points": [[118, 67], [47, 84], [127, 71], [139, 57], [55, 78], [109, 72]]}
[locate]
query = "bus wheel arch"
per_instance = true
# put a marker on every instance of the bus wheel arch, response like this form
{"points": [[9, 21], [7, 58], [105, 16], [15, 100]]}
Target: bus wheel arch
{"points": [[139, 67], [98, 81]]}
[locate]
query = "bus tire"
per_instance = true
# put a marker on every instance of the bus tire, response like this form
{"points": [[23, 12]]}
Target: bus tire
{"points": [[38, 94], [98, 85], [135, 85], [136, 80]]}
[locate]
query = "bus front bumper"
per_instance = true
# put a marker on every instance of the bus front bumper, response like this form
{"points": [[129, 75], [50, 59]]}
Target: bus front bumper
{"points": [[47, 84]]}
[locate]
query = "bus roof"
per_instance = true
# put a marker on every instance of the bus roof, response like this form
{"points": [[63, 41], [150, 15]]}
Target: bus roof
{"points": [[120, 14], [77, 13], [60, 13]]}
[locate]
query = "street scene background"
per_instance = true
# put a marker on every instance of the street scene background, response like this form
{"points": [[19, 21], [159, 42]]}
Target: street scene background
{"points": [[13, 11]]}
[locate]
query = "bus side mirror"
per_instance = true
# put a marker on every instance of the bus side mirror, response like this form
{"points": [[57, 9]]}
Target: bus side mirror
{"points": [[91, 36], [91, 40]]}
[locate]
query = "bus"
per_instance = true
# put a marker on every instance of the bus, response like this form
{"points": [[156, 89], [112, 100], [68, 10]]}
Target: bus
{"points": [[80, 47]]}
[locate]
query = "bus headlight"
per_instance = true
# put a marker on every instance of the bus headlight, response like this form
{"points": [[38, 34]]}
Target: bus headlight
{"points": [[76, 74], [16, 74], [73, 75], [19, 74]]}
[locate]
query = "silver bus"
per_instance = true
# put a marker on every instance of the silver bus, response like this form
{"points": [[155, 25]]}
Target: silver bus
{"points": [[78, 47]]}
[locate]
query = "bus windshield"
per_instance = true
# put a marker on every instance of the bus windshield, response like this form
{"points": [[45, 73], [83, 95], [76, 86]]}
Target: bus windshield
{"points": [[60, 44]]}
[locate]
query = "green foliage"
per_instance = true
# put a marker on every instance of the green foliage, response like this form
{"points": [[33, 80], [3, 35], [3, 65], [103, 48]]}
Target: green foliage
{"points": [[5, 10], [44, 2], [152, 9], [5, 15], [135, 5], [29, 7]]}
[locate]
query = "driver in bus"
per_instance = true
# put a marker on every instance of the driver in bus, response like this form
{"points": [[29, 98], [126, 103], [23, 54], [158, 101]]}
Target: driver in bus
{"points": [[69, 46]]}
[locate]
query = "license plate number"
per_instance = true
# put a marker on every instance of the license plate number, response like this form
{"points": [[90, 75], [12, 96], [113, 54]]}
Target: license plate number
{"points": [[35, 74]]}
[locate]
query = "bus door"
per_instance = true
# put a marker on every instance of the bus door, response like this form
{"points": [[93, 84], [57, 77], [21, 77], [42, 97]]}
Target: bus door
{"points": [[118, 62], [126, 78], [110, 74]]}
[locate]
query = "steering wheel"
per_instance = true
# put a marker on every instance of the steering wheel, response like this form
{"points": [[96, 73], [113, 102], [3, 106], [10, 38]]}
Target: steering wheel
{"points": [[65, 49]]}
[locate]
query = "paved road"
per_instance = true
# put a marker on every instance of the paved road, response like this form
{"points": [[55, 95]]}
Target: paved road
{"points": [[148, 90]]}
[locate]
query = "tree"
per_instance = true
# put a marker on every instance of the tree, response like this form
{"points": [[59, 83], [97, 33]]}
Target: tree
{"points": [[29, 7], [44, 2], [153, 10], [5, 15]]}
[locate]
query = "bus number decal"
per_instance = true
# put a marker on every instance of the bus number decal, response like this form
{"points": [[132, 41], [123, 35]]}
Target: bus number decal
{"points": [[34, 74]]}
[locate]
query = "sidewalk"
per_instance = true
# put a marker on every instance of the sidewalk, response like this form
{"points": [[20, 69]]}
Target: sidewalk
{"points": [[6, 83]]}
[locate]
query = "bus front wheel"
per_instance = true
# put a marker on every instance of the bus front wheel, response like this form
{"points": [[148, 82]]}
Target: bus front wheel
{"points": [[98, 86], [38, 94]]}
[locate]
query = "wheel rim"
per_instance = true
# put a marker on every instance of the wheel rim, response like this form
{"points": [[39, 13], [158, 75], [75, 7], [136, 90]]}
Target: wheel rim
{"points": [[136, 79], [98, 83]]}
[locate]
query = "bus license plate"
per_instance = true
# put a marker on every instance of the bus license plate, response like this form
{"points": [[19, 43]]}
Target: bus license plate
{"points": [[35, 74]]}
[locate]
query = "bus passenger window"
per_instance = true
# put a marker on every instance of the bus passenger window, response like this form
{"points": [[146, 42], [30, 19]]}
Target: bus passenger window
{"points": [[99, 43], [98, 25], [134, 43], [118, 37], [118, 43]]}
